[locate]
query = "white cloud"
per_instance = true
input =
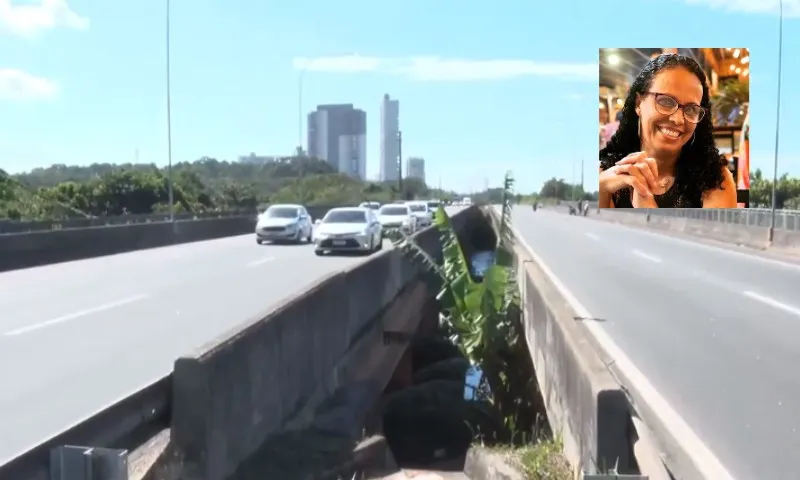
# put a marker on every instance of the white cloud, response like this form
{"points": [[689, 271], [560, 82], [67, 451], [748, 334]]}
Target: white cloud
{"points": [[30, 19], [16, 85], [432, 68], [791, 8]]}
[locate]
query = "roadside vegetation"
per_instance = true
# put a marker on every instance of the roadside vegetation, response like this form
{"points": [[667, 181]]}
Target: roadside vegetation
{"points": [[480, 314]]}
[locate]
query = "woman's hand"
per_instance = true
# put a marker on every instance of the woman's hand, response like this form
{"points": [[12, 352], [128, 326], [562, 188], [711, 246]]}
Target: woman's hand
{"points": [[636, 171]]}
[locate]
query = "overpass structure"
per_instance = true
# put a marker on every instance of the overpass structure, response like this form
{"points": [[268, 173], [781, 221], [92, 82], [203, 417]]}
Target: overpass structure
{"points": [[697, 335]]}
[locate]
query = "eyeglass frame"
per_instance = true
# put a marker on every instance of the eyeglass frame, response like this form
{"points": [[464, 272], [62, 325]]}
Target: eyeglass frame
{"points": [[680, 106]]}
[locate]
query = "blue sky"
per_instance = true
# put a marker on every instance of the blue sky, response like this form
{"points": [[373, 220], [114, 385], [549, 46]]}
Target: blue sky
{"points": [[484, 87]]}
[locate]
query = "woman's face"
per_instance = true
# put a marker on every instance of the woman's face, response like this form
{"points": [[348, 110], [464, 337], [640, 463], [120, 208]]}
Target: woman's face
{"points": [[664, 132]]}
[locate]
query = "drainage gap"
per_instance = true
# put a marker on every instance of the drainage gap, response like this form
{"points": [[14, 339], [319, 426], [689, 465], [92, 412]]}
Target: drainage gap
{"points": [[474, 383]]}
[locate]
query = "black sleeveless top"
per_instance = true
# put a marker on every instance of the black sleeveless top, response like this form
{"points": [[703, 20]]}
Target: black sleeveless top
{"points": [[675, 197]]}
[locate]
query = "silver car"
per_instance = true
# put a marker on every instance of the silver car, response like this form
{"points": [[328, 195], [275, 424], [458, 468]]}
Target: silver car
{"points": [[284, 223], [420, 210], [350, 229]]}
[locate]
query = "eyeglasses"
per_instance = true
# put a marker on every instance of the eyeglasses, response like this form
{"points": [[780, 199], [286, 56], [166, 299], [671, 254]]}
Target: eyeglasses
{"points": [[667, 105]]}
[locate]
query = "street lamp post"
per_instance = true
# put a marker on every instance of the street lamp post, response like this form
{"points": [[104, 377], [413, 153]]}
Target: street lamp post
{"points": [[777, 123], [169, 131], [300, 111]]}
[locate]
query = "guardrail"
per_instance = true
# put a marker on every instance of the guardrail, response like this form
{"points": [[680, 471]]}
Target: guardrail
{"points": [[13, 226], [752, 217], [123, 425]]}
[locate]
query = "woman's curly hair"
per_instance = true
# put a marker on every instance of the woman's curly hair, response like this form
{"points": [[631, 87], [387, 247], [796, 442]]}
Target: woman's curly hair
{"points": [[699, 166]]}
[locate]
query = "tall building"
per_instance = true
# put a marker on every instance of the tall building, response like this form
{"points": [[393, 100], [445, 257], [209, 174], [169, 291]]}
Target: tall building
{"points": [[390, 125], [338, 135], [415, 168]]}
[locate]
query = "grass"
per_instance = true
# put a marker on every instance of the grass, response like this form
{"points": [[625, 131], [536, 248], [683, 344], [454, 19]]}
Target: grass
{"points": [[543, 460]]}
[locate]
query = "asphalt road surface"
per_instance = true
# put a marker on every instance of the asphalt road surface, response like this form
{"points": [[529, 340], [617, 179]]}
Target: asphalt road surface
{"points": [[77, 336], [715, 331]]}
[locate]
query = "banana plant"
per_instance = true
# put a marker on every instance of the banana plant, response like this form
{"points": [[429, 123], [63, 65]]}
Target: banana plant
{"points": [[474, 311]]}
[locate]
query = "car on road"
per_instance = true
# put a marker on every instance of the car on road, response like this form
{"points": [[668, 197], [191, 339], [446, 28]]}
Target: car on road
{"points": [[370, 205], [348, 229], [434, 205], [397, 218], [420, 210], [286, 222]]}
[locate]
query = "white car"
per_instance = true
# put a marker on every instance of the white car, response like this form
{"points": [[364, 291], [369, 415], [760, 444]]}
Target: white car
{"points": [[370, 205], [433, 205], [348, 229], [397, 217], [420, 210], [284, 223]]}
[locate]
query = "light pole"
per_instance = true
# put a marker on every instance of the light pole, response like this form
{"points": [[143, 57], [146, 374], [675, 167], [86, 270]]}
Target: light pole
{"points": [[169, 131], [777, 122], [300, 111]]}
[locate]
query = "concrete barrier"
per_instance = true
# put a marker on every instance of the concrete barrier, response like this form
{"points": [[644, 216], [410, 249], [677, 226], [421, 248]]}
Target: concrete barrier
{"points": [[268, 374], [586, 404], [44, 247], [24, 250], [747, 235]]}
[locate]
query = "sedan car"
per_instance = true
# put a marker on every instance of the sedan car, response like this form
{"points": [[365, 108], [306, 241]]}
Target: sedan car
{"points": [[348, 229], [370, 205], [420, 210], [284, 223], [397, 218]]}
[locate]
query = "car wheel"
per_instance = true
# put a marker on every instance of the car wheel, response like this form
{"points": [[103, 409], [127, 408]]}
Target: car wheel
{"points": [[299, 237], [318, 253], [380, 244], [259, 241]]}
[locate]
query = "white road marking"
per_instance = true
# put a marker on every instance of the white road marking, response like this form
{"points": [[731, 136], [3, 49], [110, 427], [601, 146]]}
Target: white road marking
{"points": [[704, 460], [646, 256], [773, 303], [73, 316], [592, 236], [260, 262]]}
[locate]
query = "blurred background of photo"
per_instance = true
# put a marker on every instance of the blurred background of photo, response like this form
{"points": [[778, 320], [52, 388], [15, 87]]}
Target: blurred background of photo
{"points": [[728, 74]]}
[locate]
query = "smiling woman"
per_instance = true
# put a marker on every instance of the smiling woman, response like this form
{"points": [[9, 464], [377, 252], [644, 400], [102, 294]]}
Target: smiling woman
{"points": [[663, 152]]}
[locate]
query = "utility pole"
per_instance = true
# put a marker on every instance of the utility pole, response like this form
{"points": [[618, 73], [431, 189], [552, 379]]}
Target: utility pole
{"points": [[777, 125], [572, 185], [300, 112], [400, 164], [169, 131]]}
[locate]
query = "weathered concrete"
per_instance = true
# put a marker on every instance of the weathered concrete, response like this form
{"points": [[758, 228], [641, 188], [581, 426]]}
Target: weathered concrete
{"points": [[275, 371]]}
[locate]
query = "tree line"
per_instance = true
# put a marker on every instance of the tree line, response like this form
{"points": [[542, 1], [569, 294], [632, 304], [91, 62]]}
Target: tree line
{"points": [[205, 185]]}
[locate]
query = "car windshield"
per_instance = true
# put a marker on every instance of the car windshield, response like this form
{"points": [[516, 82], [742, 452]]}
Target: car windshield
{"points": [[394, 211], [417, 208], [433, 205], [281, 212], [374, 206], [345, 216]]}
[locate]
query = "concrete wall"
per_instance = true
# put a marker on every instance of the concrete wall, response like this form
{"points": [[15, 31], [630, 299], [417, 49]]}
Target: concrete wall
{"points": [[230, 395], [32, 249]]}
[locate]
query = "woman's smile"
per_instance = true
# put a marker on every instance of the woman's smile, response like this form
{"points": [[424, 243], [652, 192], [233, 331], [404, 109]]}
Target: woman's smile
{"points": [[669, 133]]}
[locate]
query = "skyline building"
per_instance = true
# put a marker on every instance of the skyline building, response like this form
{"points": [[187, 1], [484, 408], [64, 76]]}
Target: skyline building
{"points": [[390, 125], [337, 134], [415, 168]]}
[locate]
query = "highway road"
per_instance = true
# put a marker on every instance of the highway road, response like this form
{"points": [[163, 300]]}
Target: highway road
{"points": [[715, 331], [77, 336]]}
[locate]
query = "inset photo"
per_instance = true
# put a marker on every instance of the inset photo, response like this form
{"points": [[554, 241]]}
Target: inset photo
{"points": [[674, 128]]}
